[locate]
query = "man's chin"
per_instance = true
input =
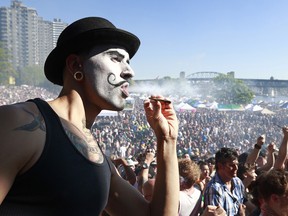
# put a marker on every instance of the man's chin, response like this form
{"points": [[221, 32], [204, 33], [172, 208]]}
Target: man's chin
{"points": [[120, 106]]}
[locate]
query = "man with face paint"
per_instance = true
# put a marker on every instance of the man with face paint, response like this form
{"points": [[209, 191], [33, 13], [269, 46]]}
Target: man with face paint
{"points": [[50, 163]]}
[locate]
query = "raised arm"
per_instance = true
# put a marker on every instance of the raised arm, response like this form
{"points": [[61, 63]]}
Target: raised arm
{"points": [[252, 157], [143, 176], [270, 158], [130, 174], [126, 200], [162, 118], [283, 150]]}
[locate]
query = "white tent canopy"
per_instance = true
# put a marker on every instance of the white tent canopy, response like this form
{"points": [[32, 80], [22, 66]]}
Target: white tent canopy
{"points": [[108, 113], [267, 111], [184, 107]]}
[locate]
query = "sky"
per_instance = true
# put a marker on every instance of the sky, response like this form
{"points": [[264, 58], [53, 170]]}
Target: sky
{"points": [[248, 37]]}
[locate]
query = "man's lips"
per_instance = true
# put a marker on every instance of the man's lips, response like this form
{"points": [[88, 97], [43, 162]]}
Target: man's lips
{"points": [[124, 89]]}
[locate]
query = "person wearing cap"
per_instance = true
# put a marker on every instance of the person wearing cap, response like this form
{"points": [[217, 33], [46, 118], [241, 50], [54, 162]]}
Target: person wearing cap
{"points": [[50, 164]]}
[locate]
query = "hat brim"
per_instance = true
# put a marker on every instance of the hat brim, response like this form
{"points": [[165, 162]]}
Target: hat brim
{"points": [[55, 61]]}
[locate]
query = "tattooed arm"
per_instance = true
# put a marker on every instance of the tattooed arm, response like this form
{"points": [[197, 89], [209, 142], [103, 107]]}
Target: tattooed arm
{"points": [[22, 137]]}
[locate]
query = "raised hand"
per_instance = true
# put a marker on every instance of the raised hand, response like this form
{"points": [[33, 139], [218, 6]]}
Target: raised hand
{"points": [[162, 117]]}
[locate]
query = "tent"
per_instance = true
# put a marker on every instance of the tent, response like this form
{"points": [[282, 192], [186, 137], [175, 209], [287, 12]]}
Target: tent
{"points": [[267, 111], [108, 113], [201, 106], [185, 107], [257, 108], [253, 108], [213, 105], [285, 105]]}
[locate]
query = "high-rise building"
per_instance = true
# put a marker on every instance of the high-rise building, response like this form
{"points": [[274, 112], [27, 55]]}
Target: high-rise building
{"points": [[45, 45], [57, 28], [27, 38]]}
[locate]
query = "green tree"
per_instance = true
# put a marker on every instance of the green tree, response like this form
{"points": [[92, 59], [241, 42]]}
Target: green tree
{"points": [[227, 89], [32, 75], [6, 68]]}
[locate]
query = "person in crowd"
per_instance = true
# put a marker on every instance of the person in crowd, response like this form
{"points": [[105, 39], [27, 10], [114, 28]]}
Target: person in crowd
{"points": [[272, 161], [263, 161], [126, 169], [274, 178], [247, 173], [282, 157], [148, 189], [187, 156], [190, 195], [51, 164], [147, 170], [273, 190], [225, 188], [204, 176], [211, 165], [252, 157]]}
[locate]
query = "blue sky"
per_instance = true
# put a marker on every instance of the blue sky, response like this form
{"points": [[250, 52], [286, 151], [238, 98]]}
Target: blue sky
{"points": [[248, 37]]}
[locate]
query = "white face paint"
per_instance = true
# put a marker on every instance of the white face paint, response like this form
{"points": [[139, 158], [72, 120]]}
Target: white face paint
{"points": [[106, 73]]}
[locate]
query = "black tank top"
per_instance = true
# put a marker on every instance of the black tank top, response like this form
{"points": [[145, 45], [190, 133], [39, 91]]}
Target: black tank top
{"points": [[62, 182]]}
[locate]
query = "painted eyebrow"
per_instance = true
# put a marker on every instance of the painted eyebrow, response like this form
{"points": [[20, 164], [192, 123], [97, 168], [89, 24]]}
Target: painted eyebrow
{"points": [[114, 52]]}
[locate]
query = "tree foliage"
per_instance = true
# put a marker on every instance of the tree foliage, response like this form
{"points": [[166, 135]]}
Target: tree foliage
{"points": [[32, 75], [231, 90], [6, 68]]}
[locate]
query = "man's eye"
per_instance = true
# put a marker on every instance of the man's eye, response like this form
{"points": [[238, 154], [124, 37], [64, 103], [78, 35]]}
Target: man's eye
{"points": [[116, 58]]}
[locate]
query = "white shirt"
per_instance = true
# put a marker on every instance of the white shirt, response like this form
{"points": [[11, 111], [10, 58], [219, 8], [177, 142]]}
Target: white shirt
{"points": [[189, 201]]}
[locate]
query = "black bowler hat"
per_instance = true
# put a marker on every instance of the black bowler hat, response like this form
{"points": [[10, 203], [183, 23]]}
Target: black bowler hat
{"points": [[82, 34]]}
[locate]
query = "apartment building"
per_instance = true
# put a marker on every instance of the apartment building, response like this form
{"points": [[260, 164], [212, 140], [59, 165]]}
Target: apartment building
{"points": [[26, 36]]}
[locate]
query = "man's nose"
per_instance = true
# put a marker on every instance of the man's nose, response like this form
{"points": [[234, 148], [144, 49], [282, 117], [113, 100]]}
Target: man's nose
{"points": [[127, 72]]}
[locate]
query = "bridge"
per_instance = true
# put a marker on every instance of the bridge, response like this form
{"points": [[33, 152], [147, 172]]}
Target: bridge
{"points": [[262, 87], [205, 75], [267, 87]]}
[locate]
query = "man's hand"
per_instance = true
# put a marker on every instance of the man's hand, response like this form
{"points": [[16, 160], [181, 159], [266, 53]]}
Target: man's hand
{"points": [[242, 209], [214, 211], [149, 156], [271, 147], [261, 140], [162, 118]]}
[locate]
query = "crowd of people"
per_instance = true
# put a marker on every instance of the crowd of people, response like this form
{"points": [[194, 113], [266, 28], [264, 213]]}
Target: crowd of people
{"points": [[126, 137], [201, 133], [12, 94]]}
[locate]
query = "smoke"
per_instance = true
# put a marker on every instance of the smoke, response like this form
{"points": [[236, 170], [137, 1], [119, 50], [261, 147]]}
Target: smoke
{"points": [[169, 89]]}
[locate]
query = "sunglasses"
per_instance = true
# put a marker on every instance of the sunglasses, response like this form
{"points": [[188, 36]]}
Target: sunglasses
{"points": [[150, 151]]}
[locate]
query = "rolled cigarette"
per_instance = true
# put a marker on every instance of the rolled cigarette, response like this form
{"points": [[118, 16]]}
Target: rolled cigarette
{"points": [[161, 100]]}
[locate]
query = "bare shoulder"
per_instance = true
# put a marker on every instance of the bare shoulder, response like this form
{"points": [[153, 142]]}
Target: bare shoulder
{"points": [[22, 138], [14, 113], [22, 134]]}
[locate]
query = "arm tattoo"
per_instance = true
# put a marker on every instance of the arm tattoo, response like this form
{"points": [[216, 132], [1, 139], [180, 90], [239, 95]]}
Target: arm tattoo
{"points": [[37, 123]]}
